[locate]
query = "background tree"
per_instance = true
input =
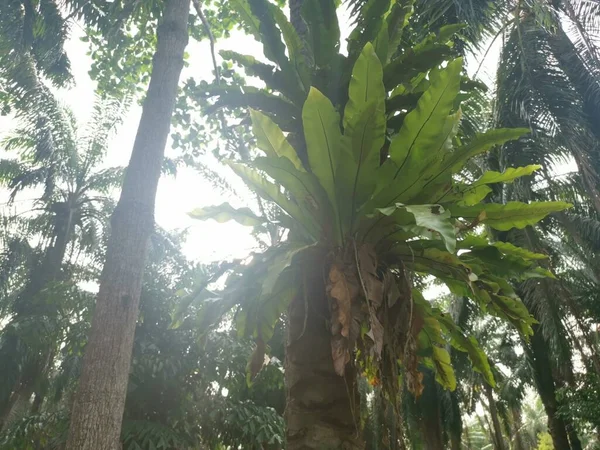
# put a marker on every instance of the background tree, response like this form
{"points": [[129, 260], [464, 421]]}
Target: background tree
{"points": [[68, 220]]}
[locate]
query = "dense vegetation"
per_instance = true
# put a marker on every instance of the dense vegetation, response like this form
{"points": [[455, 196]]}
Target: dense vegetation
{"points": [[426, 271]]}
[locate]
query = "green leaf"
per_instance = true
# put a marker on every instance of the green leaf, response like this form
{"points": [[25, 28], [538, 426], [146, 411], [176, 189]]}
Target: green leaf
{"points": [[382, 42], [414, 63], [511, 215], [283, 112], [303, 187], [364, 135], [257, 316], [366, 86], [271, 140], [508, 176], [357, 168], [369, 23], [324, 32], [419, 139], [271, 192], [295, 47], [514, 311], [472, 195], [281, 262], [243, 9], [225, 212], [467, 344], [270, 36], [323, 140], [505, 247], [481, 144], [397, 20], [430, 217], [439, 177], [444, 373]]}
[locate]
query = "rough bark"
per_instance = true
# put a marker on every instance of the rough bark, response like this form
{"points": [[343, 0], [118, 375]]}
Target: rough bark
{"points": [[546, 388], [498, 438], [322, 409], [98, 407]]}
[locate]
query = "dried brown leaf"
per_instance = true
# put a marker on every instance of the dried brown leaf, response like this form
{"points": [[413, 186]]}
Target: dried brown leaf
{"points": [[342, 290], [340, 353], [376, 334]]}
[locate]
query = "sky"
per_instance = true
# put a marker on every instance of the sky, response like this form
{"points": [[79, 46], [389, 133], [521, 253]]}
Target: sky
{"points": [[177, 196]]}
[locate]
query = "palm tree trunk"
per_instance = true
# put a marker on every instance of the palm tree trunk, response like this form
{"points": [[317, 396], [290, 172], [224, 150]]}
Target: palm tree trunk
{"points": [[322, 409], [517, 423], [498, 439], [546, 388], [98, 408]]}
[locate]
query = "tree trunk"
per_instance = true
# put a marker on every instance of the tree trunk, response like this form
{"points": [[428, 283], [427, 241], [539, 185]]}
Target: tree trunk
{"points": [[545, 386], [517, 423], [99, 404], [322, 409], [498, 439]]}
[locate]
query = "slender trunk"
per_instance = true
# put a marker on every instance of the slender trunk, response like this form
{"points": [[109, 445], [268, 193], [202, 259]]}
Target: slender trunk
{"points": [[573, 437], [516, 414], [99, 404], [498, 439], [18, 404], [546, 388], [322, 409]]}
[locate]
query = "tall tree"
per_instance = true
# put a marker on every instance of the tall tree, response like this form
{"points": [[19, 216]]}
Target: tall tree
{"points": [[365, 176], [61, 161], [99, 404]]}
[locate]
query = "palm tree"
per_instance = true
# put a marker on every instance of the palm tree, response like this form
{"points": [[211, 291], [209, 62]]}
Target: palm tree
{"points": [[356, 203], [71, 213]]}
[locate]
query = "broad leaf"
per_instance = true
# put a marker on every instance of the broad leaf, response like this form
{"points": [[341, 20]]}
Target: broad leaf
{"points": [[270, 36], [397, 20], [323, 140], [467, 344], [412, 64], [225, 212], [419, 139], [295, 47], [510, 215], [505, 247], [430, 217], [324, 31], [303, 187], [282, 262], [444, 373], [369, 23], [507, 176], [271, 140], [252, 23], [271, 192], [366, 86], [439, 176]]}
